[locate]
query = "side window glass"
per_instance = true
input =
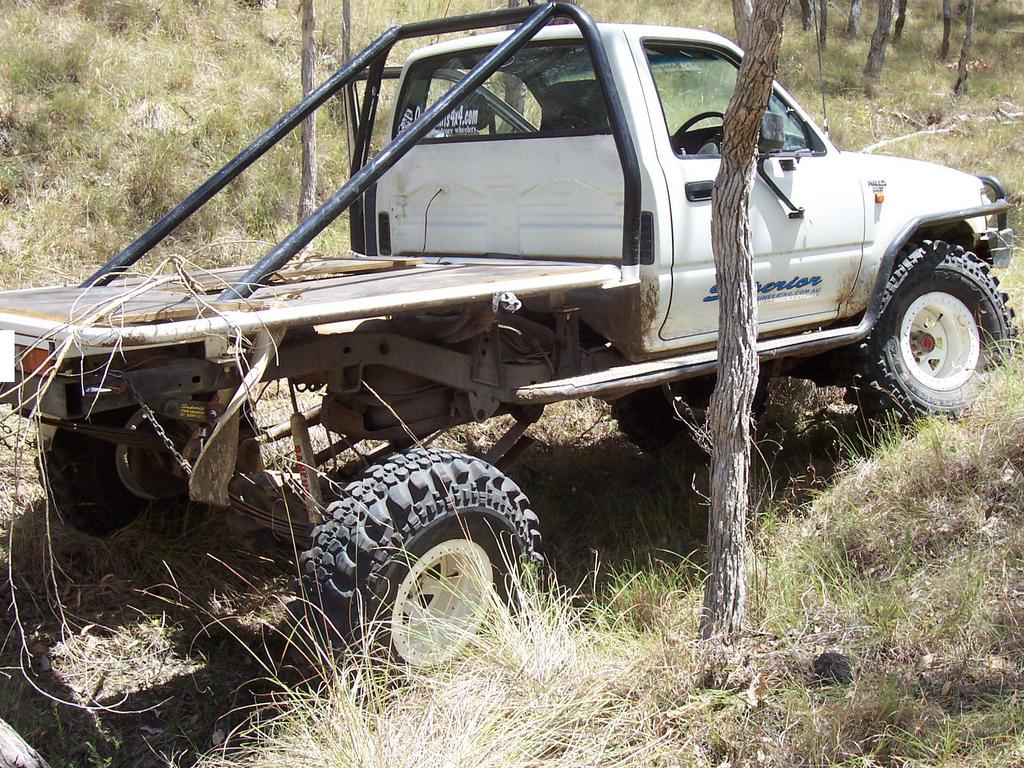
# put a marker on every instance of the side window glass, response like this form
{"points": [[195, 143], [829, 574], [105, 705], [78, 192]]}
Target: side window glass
{"points": [[797, 134], [694, 87]]}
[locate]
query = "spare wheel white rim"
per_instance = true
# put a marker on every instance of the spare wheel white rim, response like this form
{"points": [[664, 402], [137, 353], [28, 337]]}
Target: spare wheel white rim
{"points": [[940, 341], [441, 602]]}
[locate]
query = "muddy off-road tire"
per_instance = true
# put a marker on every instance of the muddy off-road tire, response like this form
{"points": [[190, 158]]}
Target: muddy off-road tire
{"points": [[944, 321], [410, 548]]}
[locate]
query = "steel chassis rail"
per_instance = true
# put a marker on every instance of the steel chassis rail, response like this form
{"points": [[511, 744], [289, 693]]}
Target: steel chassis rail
{"points": [[369, 65]]}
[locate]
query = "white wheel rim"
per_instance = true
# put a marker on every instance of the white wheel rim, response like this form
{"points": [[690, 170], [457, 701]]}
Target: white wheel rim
{"points": [[440, 603], [940, 342]]}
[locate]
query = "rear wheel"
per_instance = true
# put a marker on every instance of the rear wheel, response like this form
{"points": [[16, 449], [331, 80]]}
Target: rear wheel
{"points": [[415, 549], [98, 486], [942, 325]]}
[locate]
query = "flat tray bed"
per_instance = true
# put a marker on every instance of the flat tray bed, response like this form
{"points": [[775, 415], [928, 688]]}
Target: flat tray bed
{"points": [[182, 306]]}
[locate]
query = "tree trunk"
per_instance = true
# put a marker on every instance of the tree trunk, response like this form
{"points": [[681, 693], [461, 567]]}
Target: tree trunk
{"points": [[346, 29], [515, 91], [742, 11], [822, 9], [853, 23], [876, 53], [806, 15], [901, 19], [947, 28], [307, 183], [729, 415], [15, 753], [965, 49]]}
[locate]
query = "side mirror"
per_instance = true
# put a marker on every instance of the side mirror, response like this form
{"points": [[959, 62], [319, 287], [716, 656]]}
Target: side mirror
{"points": [[773, 134]]}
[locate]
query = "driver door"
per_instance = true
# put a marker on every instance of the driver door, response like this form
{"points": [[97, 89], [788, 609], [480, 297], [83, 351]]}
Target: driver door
{"points": [[805, 264]]}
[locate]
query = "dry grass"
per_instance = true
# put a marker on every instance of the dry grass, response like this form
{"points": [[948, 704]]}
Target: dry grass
{"points": [[909, 564], [542, 686]]}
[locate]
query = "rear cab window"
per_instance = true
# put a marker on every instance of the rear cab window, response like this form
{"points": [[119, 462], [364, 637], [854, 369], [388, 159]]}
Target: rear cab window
{"points": [[547, 89]]}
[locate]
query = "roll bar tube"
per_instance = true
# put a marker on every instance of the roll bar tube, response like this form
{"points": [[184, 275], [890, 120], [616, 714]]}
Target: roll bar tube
{"points": [[173, 218], [369, 65]]}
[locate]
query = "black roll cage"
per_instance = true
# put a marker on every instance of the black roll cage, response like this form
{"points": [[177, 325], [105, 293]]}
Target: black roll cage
{"points": [[370, 65]]}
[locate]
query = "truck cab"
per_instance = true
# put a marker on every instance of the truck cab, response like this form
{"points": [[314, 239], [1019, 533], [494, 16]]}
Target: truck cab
{"points": [[527, 169]]}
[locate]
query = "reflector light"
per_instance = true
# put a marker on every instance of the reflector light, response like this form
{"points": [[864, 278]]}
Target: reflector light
{"points": [[35, 360]]}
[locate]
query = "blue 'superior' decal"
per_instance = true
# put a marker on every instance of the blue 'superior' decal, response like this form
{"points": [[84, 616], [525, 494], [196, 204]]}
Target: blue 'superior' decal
{"points": [[780, 289]]}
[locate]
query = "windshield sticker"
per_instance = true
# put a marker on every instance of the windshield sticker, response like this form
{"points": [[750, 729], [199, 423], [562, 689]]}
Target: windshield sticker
{"points": [[778, 290], [459, 122]]}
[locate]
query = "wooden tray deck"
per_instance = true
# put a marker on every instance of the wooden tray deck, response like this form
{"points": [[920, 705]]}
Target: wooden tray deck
{"points": [[178, 300]]}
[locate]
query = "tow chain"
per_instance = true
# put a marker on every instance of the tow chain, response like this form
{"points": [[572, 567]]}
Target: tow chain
{"points": [[148, 414], [9, 433]]}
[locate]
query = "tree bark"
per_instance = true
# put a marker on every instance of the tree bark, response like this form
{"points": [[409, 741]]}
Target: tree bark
{"points": [[853, 23], [515, 91], [15, 753], [729, 415], [346, 29], [806, 15], [901, 19], [822, 9], [307, 183], [965, 49], [742, 11], [947, 28], [879, 39]]}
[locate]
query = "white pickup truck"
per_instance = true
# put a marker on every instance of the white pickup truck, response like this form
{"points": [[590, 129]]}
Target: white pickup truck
{"points": [[536, 229]]}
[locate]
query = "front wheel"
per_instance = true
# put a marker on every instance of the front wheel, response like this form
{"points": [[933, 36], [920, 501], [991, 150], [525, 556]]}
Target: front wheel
{"points": [[415, 550], [942, 324]]}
